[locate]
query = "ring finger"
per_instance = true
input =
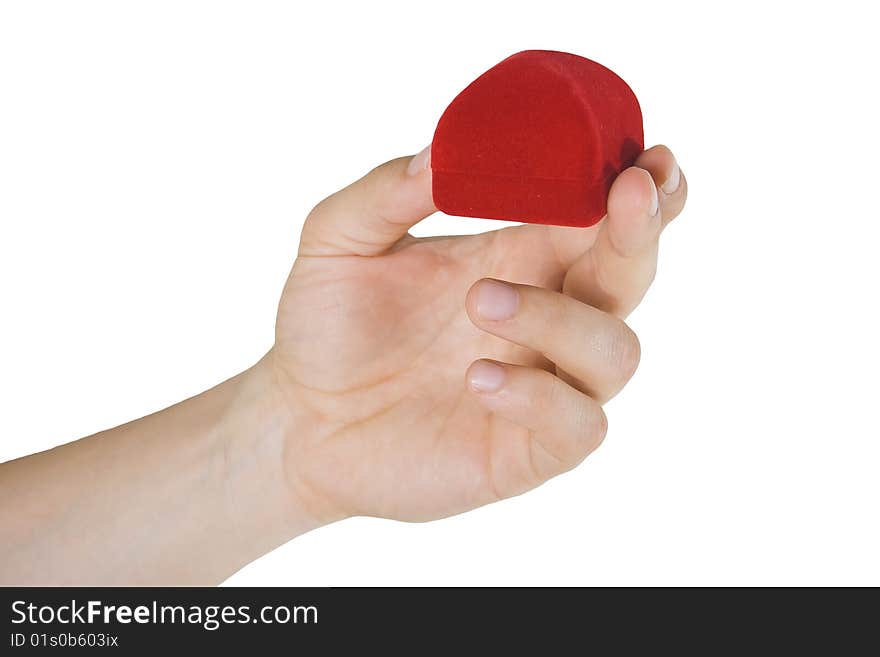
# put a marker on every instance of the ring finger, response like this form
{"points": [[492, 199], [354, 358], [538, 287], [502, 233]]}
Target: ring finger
{"points": [[597, 352]]}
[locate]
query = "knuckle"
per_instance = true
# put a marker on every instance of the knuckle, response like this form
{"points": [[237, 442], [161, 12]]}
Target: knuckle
{"points": [[624, 351], [381, 181], [541, 317], [319, 209], [682, 191], [677, 202], [545, 397], [553, 309], [602, 426], [376, 183], [598, 429], [592, 426]]}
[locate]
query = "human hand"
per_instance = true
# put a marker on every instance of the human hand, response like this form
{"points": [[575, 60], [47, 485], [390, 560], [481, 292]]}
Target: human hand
{"points": [[407, 381], [416, 387]]}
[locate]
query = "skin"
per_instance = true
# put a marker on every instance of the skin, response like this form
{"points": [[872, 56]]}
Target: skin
{"points": [[410, 379]]}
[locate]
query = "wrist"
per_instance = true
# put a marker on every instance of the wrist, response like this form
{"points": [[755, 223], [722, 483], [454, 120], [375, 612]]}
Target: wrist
{"points": [[266, 503]]}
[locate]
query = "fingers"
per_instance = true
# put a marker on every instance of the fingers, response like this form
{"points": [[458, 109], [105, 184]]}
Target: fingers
{"points": [[565, 424], [617, 271], [597, 352], [660, 163], [370, 215]]}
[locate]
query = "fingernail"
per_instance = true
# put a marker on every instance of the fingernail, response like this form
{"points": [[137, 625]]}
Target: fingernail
{"points": [[496, 300], [485, 376], [419, 162], [655, 201], [673, 180]]}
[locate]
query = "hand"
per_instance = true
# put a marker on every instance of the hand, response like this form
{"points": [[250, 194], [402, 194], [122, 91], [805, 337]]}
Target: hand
{"points": [[437, 375], [407, 380]]}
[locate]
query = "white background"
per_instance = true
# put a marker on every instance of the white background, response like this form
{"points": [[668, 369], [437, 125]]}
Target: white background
{"points": [[157, 160]]}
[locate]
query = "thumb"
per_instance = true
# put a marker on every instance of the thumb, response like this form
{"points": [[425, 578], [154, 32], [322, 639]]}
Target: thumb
{"points": [[370, 215]]}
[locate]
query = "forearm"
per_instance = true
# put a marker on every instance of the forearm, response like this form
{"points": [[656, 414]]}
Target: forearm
{"points": [[184, 496]]}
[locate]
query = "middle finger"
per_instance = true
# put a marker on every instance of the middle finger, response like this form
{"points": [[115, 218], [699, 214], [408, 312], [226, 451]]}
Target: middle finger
{"points": [[598, 351]]}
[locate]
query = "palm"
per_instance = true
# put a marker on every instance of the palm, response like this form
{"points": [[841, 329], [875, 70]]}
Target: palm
{"points": [[378, 346]]}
